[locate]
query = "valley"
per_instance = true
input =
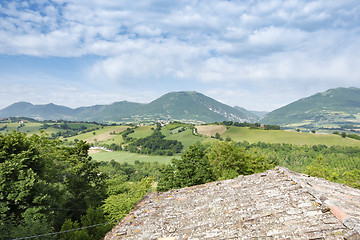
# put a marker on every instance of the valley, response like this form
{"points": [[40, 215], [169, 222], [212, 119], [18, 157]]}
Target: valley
{"points": [[113, 163]]}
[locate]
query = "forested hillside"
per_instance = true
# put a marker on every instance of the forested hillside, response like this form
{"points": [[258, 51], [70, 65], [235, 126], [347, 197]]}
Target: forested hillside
{"points": [[334, 109]]}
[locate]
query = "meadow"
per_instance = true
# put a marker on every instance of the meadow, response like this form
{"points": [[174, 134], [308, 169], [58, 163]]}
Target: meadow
{"points": [[239, 134], [99, 135], [124, 156]]}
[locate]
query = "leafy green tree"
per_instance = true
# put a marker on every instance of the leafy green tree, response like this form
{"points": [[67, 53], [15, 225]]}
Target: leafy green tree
{"points": [[167, 178], [320, 168], [217, 135], [352, 178], [228, 139], [73, 235], [42, 181], [192, 169], [117, 206], [229, 161]]}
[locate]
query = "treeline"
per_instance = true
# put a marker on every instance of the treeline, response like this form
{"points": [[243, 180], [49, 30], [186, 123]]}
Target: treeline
{"points": [[202, 164], [334, 163], [68, 130], [344, 135], [46, 187], [251, 125], [155, 144]]}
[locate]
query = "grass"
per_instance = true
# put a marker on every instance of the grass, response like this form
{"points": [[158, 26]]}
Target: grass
{"points": [[29, 128], [239, 134], [186, 138], [142, 132], [123, 156], [102, 134]]}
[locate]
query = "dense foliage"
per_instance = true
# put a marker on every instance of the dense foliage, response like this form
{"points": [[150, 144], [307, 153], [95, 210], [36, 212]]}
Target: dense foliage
{"points": [[47, 187], [334, 163], [225, 160], [192, 169], [155, 144], [220, 161], [344, 135], [251, 125]]}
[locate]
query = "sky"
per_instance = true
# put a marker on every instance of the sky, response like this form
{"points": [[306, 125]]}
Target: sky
{"points": [[256, 54]]}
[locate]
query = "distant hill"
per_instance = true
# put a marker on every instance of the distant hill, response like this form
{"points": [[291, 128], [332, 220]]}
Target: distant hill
{"points": [[48, 111], [253, 114], [260, 114], [329, 109], [193, 106], [183, 106], [117, 111]]}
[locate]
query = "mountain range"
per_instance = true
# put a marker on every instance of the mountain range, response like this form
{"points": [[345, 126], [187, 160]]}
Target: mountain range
{"points": [[329, 109], [334, 108], [181, 106]]}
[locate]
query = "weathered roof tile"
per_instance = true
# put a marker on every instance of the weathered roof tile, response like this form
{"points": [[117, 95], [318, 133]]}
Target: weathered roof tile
{"points": [[277, 204]]}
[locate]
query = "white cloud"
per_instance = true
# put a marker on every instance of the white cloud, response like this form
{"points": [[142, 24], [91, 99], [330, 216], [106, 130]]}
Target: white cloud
{"points": [[295, 44]]}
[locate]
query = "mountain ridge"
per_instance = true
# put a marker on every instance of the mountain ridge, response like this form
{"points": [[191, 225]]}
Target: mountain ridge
{"points": [[185, 106], [331, 107]]}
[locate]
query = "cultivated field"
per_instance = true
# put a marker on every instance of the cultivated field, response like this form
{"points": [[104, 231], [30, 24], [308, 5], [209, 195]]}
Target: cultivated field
{"points": [[101, 136], [211, 130], [240, 134]]}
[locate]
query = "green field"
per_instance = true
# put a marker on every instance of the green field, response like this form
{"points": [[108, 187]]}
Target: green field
{"points": [[102, 136], [142, 132], [122, 156], [188, 139], [239, 134]]}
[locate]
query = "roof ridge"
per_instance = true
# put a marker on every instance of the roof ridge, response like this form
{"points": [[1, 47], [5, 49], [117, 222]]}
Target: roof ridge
{"points": [[326, 204]]}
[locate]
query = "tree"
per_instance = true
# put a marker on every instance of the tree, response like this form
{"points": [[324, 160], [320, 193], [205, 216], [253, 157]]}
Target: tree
{"points": [[352, 178], [38, 175], [192, 169], [217, 135], [229, 161], [320, 168]]}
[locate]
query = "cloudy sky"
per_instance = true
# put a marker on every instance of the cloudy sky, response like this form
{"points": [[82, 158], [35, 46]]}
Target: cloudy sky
{"points": [[257, 54]]}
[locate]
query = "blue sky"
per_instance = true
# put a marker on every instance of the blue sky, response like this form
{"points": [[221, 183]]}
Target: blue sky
{"points": [[260, 55]]}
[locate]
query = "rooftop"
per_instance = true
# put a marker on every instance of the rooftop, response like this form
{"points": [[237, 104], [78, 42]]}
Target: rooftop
{"points": [[277, 204]]}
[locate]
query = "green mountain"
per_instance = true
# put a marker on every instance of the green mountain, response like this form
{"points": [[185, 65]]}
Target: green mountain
{"points": [[332, 108], [192, 106], [117, 111], [39, 112], [182, 106]]}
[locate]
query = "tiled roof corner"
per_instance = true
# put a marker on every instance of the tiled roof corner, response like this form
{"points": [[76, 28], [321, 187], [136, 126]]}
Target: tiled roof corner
{"points": [[276, 204]]}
